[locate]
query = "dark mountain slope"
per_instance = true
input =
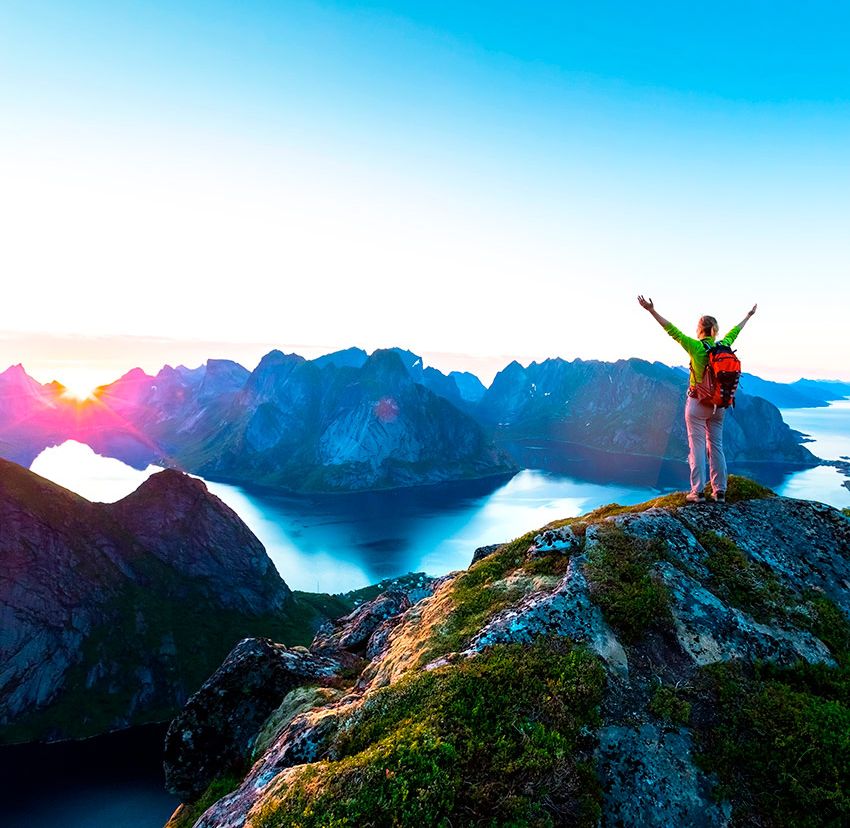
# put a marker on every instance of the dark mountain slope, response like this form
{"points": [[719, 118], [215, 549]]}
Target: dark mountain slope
{"points": [[113, 613]]}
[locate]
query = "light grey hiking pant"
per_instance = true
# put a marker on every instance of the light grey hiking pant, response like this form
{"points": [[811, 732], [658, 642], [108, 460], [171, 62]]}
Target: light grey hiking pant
{"points": [[704, 423]]}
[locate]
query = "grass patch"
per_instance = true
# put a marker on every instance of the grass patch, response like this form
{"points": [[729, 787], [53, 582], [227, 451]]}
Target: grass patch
{"points": [[189, 814], [742, 582], [780, 744], [743, 488], [477, 595], [553, 563], [500, 739], [631, 598], [738, 489], [667, 704], [830, 625]]}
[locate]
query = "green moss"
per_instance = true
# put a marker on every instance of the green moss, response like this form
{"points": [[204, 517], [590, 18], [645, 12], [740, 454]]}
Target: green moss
{"points": [[502, 738], [294, 703], [621, 582], [189, 814], [667, 703], [742, 488], [553, 564], [738, 489], [476, 595], [743, 582], [846, 512], [780, 744], [830, 625]]}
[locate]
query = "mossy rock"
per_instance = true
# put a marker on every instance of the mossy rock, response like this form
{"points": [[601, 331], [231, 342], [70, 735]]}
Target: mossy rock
{"points": [[189, 813], [779, 742], [478, 594], [504, 738], [294, 703], [619, 569], [738, 489], [669, 705], [742, 582]]}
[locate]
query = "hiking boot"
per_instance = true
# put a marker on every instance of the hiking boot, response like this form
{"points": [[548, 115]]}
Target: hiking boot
{"points": [[720, 497], [695, 498]]}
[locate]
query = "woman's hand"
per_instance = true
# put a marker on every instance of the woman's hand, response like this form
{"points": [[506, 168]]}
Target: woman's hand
{"points": [[755, 307], [649, 305]]}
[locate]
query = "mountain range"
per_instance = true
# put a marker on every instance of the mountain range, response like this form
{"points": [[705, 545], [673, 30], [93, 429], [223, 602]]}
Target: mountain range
{"points": [[352, 421]]}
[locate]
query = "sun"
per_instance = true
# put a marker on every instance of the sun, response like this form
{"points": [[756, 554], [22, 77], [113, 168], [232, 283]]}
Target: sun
{"points": [[79, 389]]}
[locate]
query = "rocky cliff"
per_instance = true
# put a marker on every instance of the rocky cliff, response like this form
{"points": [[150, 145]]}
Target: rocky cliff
{"points": [[337, 426], [112, 614], [629, 407], [664, 664]]}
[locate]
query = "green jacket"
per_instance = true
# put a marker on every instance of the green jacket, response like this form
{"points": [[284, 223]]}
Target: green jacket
{"points": [[697, 351]]}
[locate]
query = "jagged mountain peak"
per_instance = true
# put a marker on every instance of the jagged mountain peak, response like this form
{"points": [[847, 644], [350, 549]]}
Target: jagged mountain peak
{"points": [[349, 357]]}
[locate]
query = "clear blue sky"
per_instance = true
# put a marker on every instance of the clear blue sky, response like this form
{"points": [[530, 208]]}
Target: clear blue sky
{"points": [[495, 180]]}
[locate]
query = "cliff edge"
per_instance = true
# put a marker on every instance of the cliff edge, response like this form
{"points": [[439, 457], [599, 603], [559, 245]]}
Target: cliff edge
{"points": [[664, 664]]}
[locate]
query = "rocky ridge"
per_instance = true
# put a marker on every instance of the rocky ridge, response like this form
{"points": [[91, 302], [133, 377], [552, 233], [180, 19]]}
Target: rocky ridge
{"points": [[634, 666], [112, 614]]}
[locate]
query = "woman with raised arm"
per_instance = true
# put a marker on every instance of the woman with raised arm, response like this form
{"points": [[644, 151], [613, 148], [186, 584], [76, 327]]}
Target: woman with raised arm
{"points": [[704, 422]]}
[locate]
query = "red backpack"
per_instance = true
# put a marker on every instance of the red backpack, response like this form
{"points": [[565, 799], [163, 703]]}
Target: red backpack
{"points": [[720, 378]]}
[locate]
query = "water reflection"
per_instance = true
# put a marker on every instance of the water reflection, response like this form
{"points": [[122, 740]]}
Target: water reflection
{"points": [[341, 542], [333, 543]]}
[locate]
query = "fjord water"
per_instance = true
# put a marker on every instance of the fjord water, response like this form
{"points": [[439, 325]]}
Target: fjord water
{"points": [[340, 542], [111, 781], [829, 430], [334, 543]]}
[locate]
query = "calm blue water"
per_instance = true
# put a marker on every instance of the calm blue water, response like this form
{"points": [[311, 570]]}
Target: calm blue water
{"points": [[110, 781], [342, 542], [830, 430]]}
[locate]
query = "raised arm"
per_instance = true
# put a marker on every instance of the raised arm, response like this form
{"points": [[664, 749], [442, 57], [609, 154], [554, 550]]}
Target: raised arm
{"points": [[747, 317], [648, 305]]}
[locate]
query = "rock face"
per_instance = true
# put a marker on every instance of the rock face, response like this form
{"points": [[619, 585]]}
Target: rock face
{"points": [[113, 613], [217, 727], [338, 425], [687, 608]]}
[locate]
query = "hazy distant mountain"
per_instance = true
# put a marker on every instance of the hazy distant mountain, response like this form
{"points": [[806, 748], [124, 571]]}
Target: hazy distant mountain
{"points": [[30, 415], [629, 406], [828, 389], [800, 394]]}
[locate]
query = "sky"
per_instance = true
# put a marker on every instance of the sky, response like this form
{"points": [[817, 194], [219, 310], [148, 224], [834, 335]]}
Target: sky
{"points": [[477, 182]]}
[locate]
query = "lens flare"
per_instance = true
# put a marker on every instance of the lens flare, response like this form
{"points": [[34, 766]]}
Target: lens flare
{"points": [[79, 390]]}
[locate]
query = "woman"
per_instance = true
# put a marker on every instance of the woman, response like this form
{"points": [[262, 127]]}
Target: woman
{"points": [[702, 420]]}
